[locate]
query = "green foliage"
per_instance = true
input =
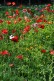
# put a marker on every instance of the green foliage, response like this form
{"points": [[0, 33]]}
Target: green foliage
{"points": [[35, 65]]}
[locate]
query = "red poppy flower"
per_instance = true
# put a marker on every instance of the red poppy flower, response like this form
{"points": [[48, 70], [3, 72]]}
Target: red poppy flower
{"points": [[5, 52], [8, 3], [13, 3], [4, 31], [52, 52], [45, 20], [17, 12], [8, 22], [39, 20], [26, 29], [41, 26], [43, 51], [1, 37], [24, 10], [48, 5], [20, 57], [1, 21], [15, 38], [19, 19], [47, 8], [6, 13], [10, 16]]}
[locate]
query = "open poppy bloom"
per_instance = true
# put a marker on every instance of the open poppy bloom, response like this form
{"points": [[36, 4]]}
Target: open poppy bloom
{"points": [[4, 31], [44, 20], [1, 21], [6, 13], [26, 29], [14, 38], [17, 12], [13, 3], [19, 19], [52, 52], [48, 5], [10, 16], [20, 57], [5, 52], [43, 51], [47, 8], [24, 10], [41, 26], [39, 20], [8, 22], [8, 3]]}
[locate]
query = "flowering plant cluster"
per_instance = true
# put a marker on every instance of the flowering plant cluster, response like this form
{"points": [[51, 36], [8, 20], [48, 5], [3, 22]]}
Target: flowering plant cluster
{"points": [[27, 43]]}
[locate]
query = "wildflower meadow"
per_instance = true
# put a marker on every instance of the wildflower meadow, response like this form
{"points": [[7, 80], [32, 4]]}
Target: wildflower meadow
{"points": [[27, 42]]}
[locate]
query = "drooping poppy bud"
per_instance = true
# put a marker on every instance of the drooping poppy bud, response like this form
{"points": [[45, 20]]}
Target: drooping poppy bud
{"points": [[20, 57], [43, 51]]}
